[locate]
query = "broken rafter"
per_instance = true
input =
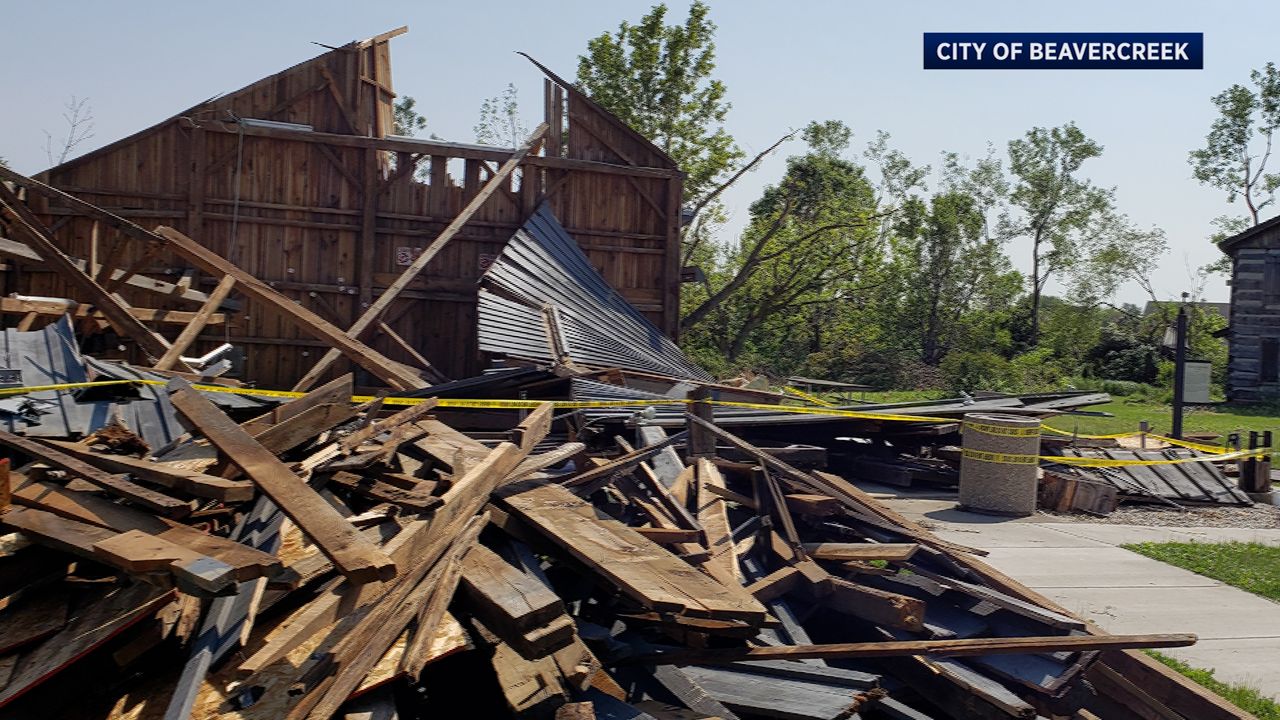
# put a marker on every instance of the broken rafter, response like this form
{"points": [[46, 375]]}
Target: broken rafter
{"points": [[109, 305]]}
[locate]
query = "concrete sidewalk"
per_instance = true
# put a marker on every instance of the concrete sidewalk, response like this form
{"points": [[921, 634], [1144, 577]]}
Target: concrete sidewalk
{"points": [[1080, 566]]}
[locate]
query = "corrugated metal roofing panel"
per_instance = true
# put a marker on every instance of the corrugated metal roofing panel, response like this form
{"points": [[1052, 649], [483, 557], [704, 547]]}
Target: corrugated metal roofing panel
{"points": [[542, 265]]}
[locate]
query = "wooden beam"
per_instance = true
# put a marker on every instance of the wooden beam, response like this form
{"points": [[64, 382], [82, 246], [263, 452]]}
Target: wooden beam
{"points": [[379, 306], [383, 367], [20, 251], [892, 552], [974, 647], [534, 427], [116, 313], [58, 308], [713, 517], [411, 351], [340, 541], [187, 481], [644, 571], [189, 333], [95, 510], [117, 485]]}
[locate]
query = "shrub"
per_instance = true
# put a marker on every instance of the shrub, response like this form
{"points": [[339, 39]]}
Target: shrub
{"points": [[973, 371]]}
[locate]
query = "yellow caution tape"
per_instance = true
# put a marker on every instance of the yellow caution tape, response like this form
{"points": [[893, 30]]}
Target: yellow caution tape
{"points": [[1001, 430], [71, 386], [1217, 454], [1202, 447], [1109, 462], [1114, 436], [811, 398], [1002, 458], [1189, 444]]}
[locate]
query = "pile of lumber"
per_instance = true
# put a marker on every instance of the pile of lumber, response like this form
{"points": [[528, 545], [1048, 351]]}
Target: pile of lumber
{"points": [[327, 559]]}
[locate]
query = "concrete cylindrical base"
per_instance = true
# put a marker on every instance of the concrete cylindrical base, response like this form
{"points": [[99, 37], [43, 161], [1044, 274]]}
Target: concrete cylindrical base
{"points": [[1264, 498], [999, 465]]}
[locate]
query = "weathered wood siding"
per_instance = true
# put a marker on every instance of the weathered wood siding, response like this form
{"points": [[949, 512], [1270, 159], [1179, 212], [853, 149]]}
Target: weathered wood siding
{"points": [[331, 223], [1255, 317]]}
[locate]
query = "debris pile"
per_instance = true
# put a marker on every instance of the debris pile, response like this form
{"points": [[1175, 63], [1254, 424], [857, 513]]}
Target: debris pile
{"points": [[323, 554], [595, 530]]}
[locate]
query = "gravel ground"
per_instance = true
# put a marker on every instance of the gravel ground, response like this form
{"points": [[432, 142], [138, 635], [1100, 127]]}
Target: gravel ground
{"points": [[1258, 516]]}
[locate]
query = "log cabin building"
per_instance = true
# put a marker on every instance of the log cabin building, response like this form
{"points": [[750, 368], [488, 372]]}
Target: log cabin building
{"points": [[299, 180], [1253, 337]]}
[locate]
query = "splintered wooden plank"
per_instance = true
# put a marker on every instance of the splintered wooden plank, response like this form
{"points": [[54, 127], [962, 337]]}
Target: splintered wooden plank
{"points": [[408, 415], [507, 596], [359, 650], [89, 508], [335, 392], [534, 427], [114, 484], [892, 552], [641, 569], [713, 516], [298, 429], [138, 552], [188, 481], [94, 624], [357, 558], [421, 541], [971, 647], [877, 606]]}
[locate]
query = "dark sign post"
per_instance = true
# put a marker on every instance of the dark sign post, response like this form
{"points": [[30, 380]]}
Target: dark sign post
{"points": [[1179, 368]]}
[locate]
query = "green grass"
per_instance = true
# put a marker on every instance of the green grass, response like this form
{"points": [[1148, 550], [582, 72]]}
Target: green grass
{"points": [[1248, 566], [1221, 420], [1243, 697]]}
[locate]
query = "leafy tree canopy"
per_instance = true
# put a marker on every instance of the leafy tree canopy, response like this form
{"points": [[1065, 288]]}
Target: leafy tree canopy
{"points": [[658, 79]]}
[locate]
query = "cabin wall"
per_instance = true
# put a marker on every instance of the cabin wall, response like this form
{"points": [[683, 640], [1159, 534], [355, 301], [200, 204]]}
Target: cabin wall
{"points": [[331, 225], [1253, 369]]}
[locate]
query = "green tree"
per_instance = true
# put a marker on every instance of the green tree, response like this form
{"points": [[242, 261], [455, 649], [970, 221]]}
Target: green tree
{"points": [[950, 269], [1057, 210], [819, 196], [658, 79], [952, 283], [1238, 146], [810, 245], [500, 122], [405, 118]]}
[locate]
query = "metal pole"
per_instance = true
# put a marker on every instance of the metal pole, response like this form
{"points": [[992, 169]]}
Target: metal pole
{"points": [[1179, 371]]}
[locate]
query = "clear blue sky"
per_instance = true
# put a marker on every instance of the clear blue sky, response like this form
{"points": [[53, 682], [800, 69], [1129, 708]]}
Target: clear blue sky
{"points": [[784, 64]]}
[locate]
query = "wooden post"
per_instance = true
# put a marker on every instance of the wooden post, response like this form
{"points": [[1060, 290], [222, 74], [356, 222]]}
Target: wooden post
{"points": [[1144, 427], [1248, 466], [1255, 472], [702, 444]]}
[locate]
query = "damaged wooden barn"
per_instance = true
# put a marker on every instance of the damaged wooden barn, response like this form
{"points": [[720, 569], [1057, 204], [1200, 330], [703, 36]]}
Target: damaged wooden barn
{"points": [[299, 180]]}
